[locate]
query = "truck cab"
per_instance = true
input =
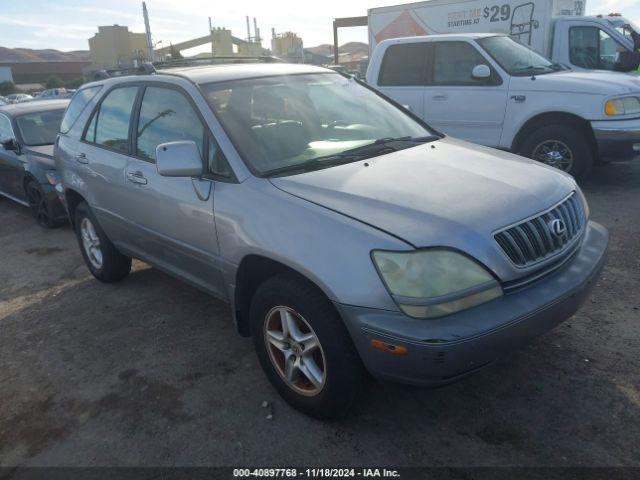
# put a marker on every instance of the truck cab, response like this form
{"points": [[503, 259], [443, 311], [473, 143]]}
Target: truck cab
{"points": [[491, 90], [596, 43]]}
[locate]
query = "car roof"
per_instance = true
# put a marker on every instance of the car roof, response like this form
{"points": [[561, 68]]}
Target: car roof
{"points": [[34, 106], [224, 72], [442, 36]]}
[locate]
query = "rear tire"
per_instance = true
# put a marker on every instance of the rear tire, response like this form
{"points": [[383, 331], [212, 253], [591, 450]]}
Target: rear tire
{"points": [[39, 205], [565, 147], [104, 261], [318, 346]]}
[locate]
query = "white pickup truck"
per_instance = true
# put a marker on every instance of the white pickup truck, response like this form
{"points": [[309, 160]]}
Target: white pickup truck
{"points": [[491, 90], [557, 29]]}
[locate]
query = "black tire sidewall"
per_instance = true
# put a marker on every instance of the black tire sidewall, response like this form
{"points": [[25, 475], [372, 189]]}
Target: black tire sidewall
{"points": [[115, 266], [571, 136], [344, 372], [50, 223]]}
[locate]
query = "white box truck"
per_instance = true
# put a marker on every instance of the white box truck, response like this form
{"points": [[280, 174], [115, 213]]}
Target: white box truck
{"points": [[557, 29]]}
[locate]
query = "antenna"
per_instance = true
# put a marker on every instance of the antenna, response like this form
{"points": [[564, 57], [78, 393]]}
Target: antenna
{"points": [[147, 28]]}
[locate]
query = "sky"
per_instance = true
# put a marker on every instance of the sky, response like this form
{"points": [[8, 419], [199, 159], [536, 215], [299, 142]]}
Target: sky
{"points": [[67, 24]]}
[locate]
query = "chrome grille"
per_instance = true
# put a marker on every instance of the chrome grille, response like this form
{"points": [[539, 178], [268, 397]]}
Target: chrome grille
{"points": [[533, 240]]}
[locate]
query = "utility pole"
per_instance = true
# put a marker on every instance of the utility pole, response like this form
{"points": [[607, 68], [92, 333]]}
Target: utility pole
{"points": [[147, 28]]}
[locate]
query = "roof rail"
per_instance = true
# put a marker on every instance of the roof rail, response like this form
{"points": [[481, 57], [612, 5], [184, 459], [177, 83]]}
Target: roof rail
{"points": [[194, 62], [151, 68]]}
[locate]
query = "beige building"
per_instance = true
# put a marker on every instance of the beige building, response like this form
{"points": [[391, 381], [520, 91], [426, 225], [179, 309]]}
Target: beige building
{"points": [[287, 45], [249, 49], [115, 46], [221, 42]]}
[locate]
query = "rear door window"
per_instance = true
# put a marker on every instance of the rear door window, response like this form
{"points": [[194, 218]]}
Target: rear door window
{"points": [[111, 121], [76, 106], [404, 65]]}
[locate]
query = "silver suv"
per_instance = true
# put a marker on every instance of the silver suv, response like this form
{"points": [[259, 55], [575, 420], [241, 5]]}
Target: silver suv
{"points": [[347, 235]]}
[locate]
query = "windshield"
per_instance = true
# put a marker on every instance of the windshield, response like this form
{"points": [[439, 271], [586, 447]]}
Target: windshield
{"points": [[39, 128], [515, 58], [283, 122]]}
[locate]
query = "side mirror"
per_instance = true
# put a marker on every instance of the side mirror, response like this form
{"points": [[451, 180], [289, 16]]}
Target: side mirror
{"points": [[11, 145], [481, 72], [407, 107], [627, 61], [179, 159]]}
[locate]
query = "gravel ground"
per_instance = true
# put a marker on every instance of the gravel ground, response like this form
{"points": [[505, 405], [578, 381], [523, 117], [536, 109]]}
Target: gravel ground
{"points": [[150, 372]]}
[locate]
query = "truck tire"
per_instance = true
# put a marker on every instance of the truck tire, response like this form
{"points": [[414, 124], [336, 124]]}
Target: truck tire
{"points": [[103, 260], [565, 147], [304, 347]]}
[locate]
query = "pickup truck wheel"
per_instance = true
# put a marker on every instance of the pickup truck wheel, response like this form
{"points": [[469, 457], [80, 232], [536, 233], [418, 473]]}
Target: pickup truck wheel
{"points": [[304, 347], [103, 260], [561, 146]]}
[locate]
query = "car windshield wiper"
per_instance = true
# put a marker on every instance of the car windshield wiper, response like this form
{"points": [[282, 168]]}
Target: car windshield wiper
{"points": [[533, 68], [373, 149]]}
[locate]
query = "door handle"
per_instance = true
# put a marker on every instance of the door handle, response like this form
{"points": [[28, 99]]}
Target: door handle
{"points": [[82, 158], [136, 177], [440, 97]]}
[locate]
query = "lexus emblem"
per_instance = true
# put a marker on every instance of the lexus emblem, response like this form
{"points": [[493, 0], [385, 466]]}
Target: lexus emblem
{"points": [[557, 227]]}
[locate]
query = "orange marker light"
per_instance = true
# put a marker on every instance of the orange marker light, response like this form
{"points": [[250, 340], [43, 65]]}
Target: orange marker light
{"points": [[389, 348]]}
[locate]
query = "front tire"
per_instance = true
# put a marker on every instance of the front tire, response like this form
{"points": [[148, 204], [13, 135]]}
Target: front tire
{"points": [[304, 347], [104, 261], [565, 147]]}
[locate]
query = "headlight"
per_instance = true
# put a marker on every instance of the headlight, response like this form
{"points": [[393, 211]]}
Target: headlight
{"points": [[434, 283], [622, 106]]}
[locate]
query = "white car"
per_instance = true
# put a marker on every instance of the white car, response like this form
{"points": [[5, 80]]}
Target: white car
{"points": [[491, 90], [19, 97]]}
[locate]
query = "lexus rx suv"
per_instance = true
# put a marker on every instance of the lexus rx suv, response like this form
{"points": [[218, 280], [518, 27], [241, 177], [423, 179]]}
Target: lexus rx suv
{"points": [[347, 235]]}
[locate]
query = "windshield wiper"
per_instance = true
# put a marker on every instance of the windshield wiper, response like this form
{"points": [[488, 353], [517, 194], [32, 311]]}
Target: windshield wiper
{"points": [[533, 68], [373, 149]]}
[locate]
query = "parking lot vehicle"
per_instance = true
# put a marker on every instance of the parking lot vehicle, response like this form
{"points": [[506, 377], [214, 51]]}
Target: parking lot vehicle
{"points": [[27, 169], [491, 90], [54, 93], [346, 234], [19, 97], [557, 29]]}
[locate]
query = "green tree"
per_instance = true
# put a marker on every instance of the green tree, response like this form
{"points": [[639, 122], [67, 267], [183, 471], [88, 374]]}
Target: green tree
{"points": [[7, 88], [54, 82]]}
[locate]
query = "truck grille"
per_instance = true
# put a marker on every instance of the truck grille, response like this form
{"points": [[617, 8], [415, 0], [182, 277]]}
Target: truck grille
{"points": [[536, 239]]}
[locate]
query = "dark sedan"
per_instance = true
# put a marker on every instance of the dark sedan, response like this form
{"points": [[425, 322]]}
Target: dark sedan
{"points": [[27, 170]]}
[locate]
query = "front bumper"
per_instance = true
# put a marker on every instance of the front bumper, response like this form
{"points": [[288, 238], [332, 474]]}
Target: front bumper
{"points": [[617, 139], [442, 350]]}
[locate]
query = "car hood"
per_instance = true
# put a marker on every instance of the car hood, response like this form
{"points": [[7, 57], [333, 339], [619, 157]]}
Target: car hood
{"points": [[594, 82], [43, 154], [447, 193]]}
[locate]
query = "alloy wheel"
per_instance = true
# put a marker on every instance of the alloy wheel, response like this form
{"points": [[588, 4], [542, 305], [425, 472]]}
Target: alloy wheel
{"points": [[38, 204], [91, 243], [555, 154], [295, 350]]}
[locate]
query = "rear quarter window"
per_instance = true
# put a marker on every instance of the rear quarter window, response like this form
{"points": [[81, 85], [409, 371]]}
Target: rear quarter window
{"points": [[77, 105]]}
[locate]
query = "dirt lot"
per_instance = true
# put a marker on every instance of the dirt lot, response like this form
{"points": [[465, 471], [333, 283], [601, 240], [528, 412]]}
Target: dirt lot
{"points": [[151, 372]]}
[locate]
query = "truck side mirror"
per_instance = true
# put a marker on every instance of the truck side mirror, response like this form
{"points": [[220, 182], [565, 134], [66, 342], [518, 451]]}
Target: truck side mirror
{"points": [[179, 159], [627, 61], [481, 72]]}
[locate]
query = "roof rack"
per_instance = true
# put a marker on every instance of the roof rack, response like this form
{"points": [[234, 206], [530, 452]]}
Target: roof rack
{"points": [[149, 68]]}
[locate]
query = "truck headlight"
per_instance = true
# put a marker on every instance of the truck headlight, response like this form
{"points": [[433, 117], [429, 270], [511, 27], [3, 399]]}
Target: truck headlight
{"points": [[622, 106], [433, 283]]}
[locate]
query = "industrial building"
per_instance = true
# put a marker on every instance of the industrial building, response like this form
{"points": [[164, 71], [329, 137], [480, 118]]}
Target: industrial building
{"points": [[287, 46], [115, 46]]}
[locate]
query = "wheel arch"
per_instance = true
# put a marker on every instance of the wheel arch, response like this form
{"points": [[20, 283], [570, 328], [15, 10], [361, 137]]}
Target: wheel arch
{"points": [[253, 271], [550, 118], [72, 199]]}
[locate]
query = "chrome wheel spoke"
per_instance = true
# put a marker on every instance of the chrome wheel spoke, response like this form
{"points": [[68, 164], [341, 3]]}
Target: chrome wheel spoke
{"points": [[295, 350]]}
